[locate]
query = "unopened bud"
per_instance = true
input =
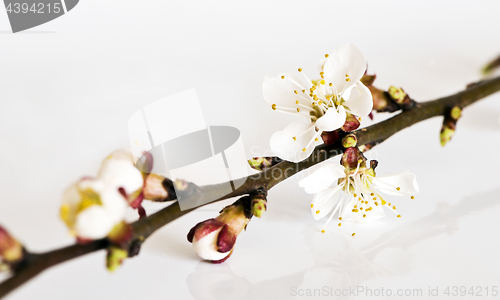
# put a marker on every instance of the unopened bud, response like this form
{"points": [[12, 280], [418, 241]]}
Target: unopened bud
{"points": [[446, 134], [158, 188], [261, 163], [455, 113], [259, 203], [11, 251], [352, 157], [397, 94], [449, 124], [214, 239], [330, 137], [115, 258], [351, 123], [349, 140]]}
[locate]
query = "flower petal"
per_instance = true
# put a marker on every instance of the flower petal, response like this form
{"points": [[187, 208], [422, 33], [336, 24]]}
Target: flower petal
{"points": [[345, 60], [120, 173], [360, 101], [93, 223], [406, 182], [282, 91], [332, 119], [320, 179], [323, 202], [206, 247], [114, 204], [286, 147]]}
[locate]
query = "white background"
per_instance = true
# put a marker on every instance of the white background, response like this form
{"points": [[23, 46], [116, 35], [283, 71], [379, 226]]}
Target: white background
{"points": [[69, 86]]}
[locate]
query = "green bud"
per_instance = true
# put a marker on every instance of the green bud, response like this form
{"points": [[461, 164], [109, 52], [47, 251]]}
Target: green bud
{"points": [[115, 258], [258, 207], [397, 94], [11, 251], [455, 113], [446, 134], [349, 140], [261, 163]]}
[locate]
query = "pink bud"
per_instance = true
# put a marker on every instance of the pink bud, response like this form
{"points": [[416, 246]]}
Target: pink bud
{"points": [[11, 251]]}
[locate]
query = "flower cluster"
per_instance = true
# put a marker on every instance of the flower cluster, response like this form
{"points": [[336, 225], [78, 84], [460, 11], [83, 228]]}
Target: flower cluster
{"points": [[358, 194], [323, 105], [93, 206]]}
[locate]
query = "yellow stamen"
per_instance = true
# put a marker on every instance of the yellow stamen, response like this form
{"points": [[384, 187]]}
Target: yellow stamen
{"points": [[330, 84], [394, 207], [399, 216], [348, 79], [326, 55], [412, 197], [283, 77], [316, 139], [312, 205], [340, 218], [354, 234], [322, 231], [340, 224], [298, 109], [294, 138], [364, 216], [300, 69], [273, 106], [317, 212], [304, 150], [398, 188], [295, 92], [296, 101], [303, 91]]}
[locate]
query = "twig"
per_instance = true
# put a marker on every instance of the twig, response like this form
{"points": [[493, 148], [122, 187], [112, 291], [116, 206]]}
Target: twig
{"points": [[34, 264]]}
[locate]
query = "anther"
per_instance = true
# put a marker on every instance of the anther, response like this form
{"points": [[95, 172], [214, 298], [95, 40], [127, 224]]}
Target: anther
{"points": [[347, 79], [283, 77], [353, 234], [296, 101], [412, 197], [298, 109], [364, 216], [326, 55], [312, 205], [399, 216], [323, 231], [394, 207], [340, 224], [398, 188], [317, 212], [273, 106], [340, 218], [304, 150], [295, 92], [294, 138], [300, 69]]}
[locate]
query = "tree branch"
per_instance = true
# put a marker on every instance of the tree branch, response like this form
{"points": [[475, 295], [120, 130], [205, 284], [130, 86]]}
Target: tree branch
{"points": [[34, 263]]}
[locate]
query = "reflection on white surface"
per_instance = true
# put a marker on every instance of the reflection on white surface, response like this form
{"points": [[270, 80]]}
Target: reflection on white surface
{"points": [[340, 261]]}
